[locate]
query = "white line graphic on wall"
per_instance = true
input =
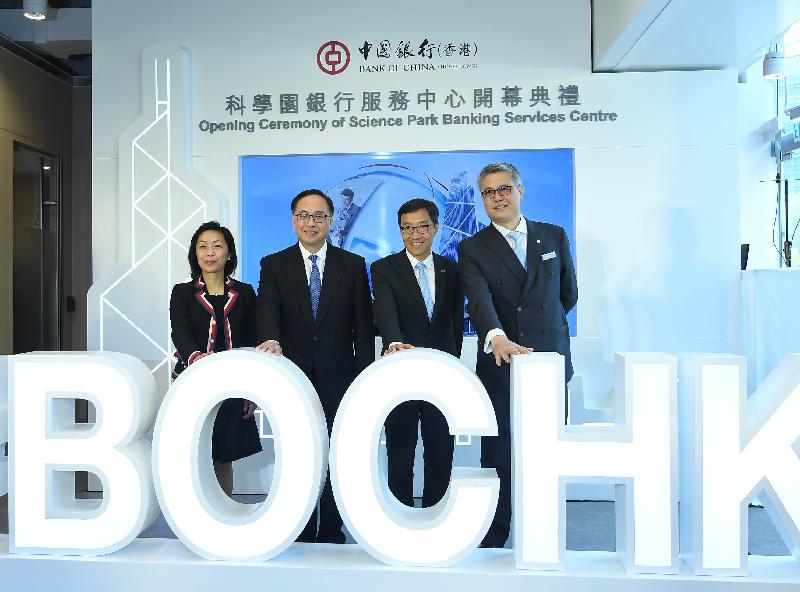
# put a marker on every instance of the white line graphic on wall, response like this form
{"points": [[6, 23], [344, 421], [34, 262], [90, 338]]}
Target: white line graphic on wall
{"points": [[161, 201]]}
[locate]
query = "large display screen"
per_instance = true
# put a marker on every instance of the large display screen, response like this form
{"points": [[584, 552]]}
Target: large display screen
{"points": [[368, 189]]}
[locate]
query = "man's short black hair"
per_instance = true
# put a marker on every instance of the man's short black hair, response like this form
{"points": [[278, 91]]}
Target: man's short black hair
{"points": [[308, 192], [412, 205], [233, 261], [347, 192]]}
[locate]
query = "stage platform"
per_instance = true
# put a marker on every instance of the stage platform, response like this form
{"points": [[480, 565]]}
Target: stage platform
{"points": [[162, 564]]}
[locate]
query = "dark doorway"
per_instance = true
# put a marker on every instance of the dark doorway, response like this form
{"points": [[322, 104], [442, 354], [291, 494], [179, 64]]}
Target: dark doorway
{"points": [[37, 250]]}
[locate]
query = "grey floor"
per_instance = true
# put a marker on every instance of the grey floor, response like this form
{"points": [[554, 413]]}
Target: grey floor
{"points": [[590, 527]]}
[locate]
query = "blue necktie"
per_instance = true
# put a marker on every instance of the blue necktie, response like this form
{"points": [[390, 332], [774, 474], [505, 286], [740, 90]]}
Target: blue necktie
{"points": [[519, 246], [314, 286], [425, 288]]}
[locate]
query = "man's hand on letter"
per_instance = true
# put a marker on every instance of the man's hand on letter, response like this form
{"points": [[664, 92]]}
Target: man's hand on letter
{"points": [[396, 347], [270, 346], [503, 348]]}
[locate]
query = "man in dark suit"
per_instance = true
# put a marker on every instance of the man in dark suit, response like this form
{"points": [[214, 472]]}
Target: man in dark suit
{"points": [[418, 302], [520, 282], [314, 307]]}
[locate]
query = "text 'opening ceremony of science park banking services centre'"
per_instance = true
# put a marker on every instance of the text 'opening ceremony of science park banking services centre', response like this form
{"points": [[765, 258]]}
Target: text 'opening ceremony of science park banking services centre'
{"points": [[367, 296]]}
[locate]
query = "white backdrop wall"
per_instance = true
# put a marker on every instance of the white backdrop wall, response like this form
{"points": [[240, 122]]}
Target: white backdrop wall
{"points": [[657, 209]]}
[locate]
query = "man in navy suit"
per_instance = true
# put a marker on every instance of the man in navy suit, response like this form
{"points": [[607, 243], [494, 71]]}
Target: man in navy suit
{"points": [[418, 302], [520, 282], [315, 308]]}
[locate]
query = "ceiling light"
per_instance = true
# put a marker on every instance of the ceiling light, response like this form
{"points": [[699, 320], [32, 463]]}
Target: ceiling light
{"points": [[773, 65], [35, 9]]}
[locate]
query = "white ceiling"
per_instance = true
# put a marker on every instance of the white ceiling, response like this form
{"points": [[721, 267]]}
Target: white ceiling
{"points": [[645, 35], [628, 35]]}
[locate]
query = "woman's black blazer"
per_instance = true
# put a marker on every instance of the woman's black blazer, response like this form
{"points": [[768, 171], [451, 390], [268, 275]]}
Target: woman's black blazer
{"points": [[195, 327]]}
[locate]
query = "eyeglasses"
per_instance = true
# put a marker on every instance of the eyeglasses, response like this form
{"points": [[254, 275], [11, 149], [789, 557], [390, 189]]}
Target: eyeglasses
{"points": [[318, 217], [502, 191], [423, 229]]}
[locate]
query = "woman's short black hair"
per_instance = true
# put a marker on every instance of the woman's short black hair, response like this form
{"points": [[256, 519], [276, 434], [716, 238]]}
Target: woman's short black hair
{"points": [[233, 261]]}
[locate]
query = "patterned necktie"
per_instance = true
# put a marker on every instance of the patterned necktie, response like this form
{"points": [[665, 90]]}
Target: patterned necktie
{"points": [[519, 246], [425, 288], [314, 286]]}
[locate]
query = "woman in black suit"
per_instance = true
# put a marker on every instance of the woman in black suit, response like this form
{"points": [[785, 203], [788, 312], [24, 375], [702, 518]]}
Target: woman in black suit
{"points": [[214, 313]]}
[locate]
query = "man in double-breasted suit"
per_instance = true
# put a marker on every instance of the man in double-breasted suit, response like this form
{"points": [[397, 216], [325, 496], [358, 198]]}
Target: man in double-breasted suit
{"points": [[418, 302], [520, 282], [315, 308]]}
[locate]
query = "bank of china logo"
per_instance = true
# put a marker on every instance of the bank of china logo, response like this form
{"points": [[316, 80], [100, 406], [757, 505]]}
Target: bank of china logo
{"points": [[333, 57]]}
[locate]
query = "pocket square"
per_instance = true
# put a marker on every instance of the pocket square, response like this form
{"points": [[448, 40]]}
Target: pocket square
{"points": [[550, 255]]}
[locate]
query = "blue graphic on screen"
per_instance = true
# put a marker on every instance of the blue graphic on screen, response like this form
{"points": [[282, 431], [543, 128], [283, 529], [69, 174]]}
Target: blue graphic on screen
{"points": [[368, 189]]}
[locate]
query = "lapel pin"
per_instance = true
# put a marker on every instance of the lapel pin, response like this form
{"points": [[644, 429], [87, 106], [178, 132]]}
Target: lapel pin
{"points": [[538, 241]]}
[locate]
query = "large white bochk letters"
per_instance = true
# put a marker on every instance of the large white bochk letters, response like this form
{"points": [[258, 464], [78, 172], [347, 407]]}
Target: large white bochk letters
{"points": [[638, 453], [387, 529], [731, 449], [205, 519], [48, 446]]}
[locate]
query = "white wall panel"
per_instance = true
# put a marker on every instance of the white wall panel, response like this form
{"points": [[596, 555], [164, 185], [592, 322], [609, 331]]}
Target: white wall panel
{"points": [[658, 244]]}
